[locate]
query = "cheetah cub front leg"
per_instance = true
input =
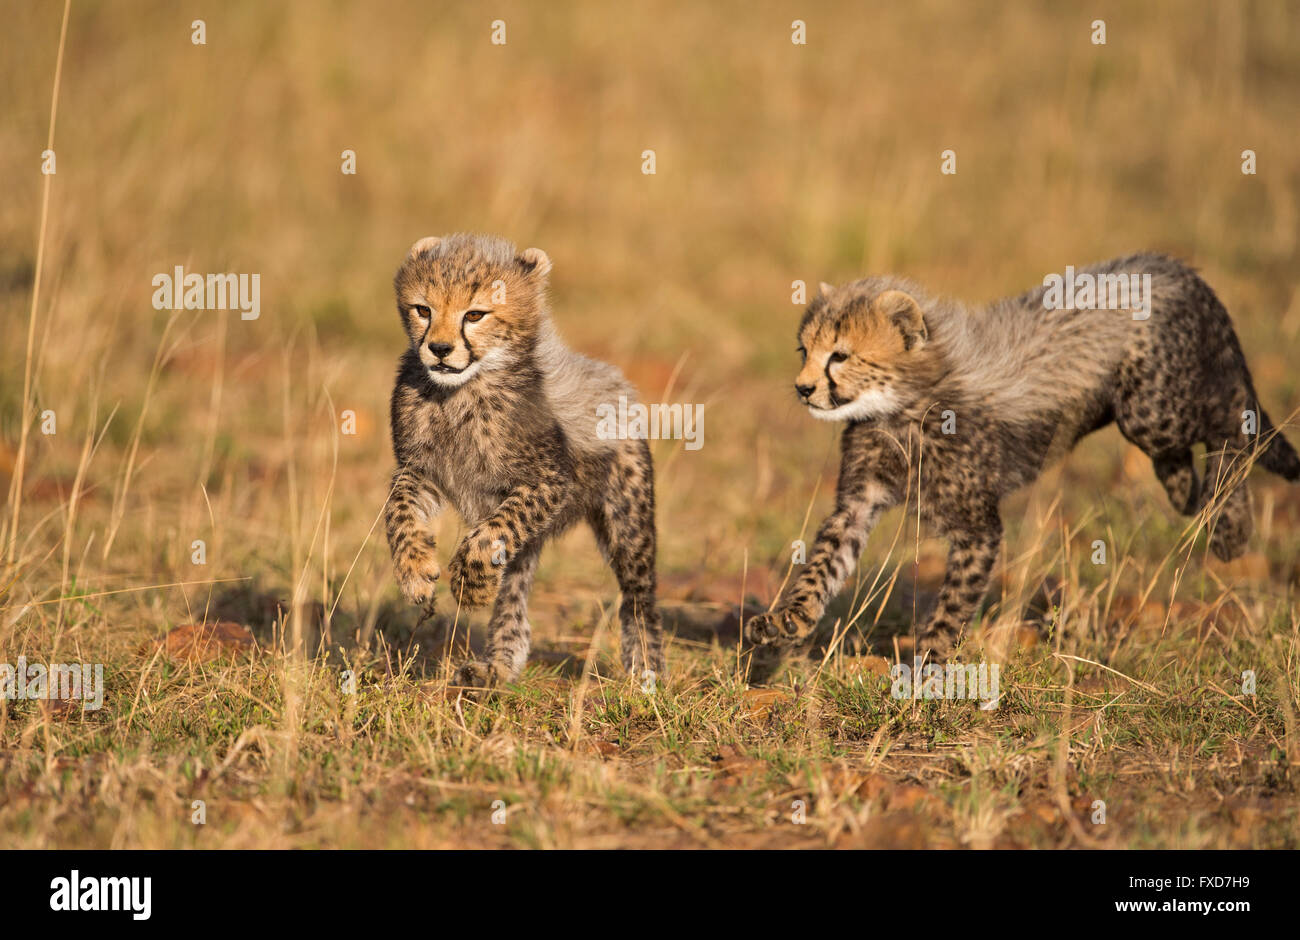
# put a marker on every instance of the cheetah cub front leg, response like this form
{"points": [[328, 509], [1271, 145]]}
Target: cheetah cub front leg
{"points": [[476, 570], [412, 507], [790, 624]]}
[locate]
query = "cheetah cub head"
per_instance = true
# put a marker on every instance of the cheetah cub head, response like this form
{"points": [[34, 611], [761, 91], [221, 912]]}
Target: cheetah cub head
{"points": [[470, 304], [859, 343]]}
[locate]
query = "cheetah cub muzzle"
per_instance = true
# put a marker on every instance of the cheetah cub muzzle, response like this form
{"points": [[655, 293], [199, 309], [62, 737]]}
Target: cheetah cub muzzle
{"points": [[949, 409], [493, 415]]}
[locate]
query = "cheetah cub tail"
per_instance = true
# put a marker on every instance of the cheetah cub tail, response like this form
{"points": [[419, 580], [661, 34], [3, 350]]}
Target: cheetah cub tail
{"points": [[1278, 454]]}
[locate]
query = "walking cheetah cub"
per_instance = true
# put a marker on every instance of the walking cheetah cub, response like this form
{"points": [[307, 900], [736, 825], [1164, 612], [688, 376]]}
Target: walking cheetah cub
{"points": [[953, 408], [494, 415]]}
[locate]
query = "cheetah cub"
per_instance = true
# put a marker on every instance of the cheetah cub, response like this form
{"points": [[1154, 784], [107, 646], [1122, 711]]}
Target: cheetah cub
{"points": [[495, 416], [949, 409]]}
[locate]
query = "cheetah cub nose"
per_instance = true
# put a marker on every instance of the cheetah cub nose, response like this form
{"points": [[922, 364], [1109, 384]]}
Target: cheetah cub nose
{"points": [[803, 391], [440, 349]]}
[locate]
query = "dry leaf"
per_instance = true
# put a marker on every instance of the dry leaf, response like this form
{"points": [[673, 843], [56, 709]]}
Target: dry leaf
{"points": [[760, 702], [204, 642]]}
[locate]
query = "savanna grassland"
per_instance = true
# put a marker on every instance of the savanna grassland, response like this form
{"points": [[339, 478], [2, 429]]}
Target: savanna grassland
{"points": [[329, 722]]}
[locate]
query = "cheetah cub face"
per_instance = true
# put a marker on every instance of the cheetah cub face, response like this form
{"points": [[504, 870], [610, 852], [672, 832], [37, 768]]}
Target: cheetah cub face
{"points": [[470, 306], [858, 348]]}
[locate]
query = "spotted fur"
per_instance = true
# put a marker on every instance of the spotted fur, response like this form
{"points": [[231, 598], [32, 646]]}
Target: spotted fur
{"points": [[949, 409], [495, 416]]}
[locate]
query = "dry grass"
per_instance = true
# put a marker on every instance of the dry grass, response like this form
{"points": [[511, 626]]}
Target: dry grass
{"points": [[775, 162]]}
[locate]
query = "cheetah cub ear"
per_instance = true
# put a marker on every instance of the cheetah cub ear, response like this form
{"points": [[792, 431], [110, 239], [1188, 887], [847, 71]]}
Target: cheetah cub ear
{"points": [[534, 261], [901, 309], [826, 289], [427, 243]]}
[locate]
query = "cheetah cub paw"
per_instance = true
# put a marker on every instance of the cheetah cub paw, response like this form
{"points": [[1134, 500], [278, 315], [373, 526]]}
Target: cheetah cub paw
{"points": [[473, 575], [477, 675], [782, 626], [645, 669], [417, 572]]}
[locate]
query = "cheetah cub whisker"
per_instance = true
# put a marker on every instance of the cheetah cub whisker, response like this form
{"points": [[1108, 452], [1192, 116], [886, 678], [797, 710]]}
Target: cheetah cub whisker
{"points": [[495, 416], [956, 407]]}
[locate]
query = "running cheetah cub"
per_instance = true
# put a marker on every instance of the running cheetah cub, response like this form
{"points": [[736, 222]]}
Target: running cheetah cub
{"points": [[950, 409], [495, 416]]}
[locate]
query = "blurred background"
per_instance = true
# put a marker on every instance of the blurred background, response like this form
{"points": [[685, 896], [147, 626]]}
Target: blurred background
{"points": [[775, 162]]}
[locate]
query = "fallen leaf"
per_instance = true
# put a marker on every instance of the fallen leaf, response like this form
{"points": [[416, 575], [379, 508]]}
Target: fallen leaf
{"points": [[1002, 638], [1045, 812], [733, 764], [872, 665], [1131, 612], [893, 830], [912, 797], [204, 642], [760, 702], [1081, 804], [1251, 567], [875, 786], [603, 749]]}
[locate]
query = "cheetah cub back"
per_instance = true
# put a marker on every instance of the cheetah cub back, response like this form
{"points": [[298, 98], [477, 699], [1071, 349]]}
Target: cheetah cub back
{"points": [[493, 415], [949, 408]]}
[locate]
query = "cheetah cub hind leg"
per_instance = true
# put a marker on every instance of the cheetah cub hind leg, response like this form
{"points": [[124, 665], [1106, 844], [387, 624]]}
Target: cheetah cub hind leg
{"points": [[509, 632], [624, 525]]}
